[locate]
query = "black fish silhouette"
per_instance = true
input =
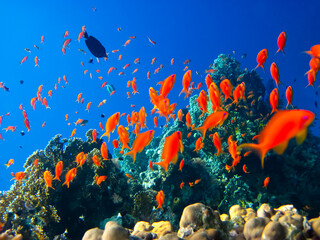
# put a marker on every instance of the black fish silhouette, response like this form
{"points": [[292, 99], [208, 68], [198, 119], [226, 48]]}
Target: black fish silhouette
{"points": [[94, 46]]}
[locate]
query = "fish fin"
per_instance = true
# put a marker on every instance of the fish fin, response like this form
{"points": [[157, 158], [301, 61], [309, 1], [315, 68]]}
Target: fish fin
{"points": [[301, 136], [163, 164], [132, 154], [174, 159], [257, 148], [181, 146], [281, 147], [202, 130]]}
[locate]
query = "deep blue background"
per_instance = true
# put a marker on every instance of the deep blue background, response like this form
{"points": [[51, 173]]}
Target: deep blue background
{"points": [[196, 30]]}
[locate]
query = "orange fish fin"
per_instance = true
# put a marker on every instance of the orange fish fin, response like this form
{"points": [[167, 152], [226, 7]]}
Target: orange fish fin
{"points": [[301, 136], [174, 159], [202, 130], [281, 147], [256, 148], [163, 164], [132, 154], [181, 146]]}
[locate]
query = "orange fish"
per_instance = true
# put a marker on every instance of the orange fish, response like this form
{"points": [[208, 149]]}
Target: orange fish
{"points": [[186, 83], [140, 142], [96, 161], [111, 124], [181, 185], [127, 42], [213, 120], [123, 137], [172, 146], [27, 124], [226, 87], [70, 176], [155, 121], [188, 120], [115, 143], [18, 176], [197, 181], [11, 128], [172, 61], [274, 100], [58, 170], [266, 182], [281, 41], [48, 179], [274, 70], [104, 151], [160, 199], [88, 106], [198, 145], [36, 61], [24, 59], [311, 79], [73, 132], [100, 179], [314, 51], [94, 135], [167, 85], [181, 165], [129, 176], [283, 126], [217, 143], [9, 163], [289, 95], [202, 102], [261, 58], [245, 169], [35, 162]]}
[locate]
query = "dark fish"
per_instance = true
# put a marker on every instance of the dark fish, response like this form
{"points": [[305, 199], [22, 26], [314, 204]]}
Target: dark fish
{"points": [[84, 122], [294, 80], [102, 115], [244, 55], [94, 46], [22, 133], [21, 81], [91, 60], [316, 104]]}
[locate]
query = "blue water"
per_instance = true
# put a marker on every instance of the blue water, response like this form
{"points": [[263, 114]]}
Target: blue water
{"points": [[181, 30]]}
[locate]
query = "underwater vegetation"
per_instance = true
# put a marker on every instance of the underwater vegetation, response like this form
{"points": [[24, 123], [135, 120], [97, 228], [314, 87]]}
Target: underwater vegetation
{"points": [[94, 187]]}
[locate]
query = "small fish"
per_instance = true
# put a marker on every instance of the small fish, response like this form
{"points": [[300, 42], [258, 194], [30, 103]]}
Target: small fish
{"points": [[181, 185], [100, 179], [48, 179], [266, 182], [152, 42], [28, 50], [130, 176], [261, 58], [181, 165], [9, 163], [160, 199]]}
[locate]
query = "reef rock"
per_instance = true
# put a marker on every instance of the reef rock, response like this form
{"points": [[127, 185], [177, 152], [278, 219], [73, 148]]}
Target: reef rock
{"points": [[93, 234], [114, 231], [197, 216]]}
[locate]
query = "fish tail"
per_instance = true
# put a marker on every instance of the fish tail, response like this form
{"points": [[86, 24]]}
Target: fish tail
{"points": [[256, 148], [132, 154], [163, 164], [202, 130], [56, 178]]}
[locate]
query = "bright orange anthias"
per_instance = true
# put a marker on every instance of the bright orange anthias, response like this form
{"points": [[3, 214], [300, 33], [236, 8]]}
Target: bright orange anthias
{"points": [[172, 146], [58, 170], [266, 182], [104, 151], [239, 93], [48, 179], [274, 70], [314, 51], [214, 96], [226, 88], [274, 100], [281, 41], [213, 120], [18, 176], [96, 161], [167, 85], [100, 179], [160, 199], [70, 176], [283, 126], [217, 143], [198, 145], [289, 96], [202, 102], [123, 137], [111, 124], [233, 151], [140, 142], [261, 58], [186, 83], [94, 135]]}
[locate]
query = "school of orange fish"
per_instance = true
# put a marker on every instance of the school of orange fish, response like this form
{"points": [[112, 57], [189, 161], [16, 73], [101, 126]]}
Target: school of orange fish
{"points": [[283, 125]]}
